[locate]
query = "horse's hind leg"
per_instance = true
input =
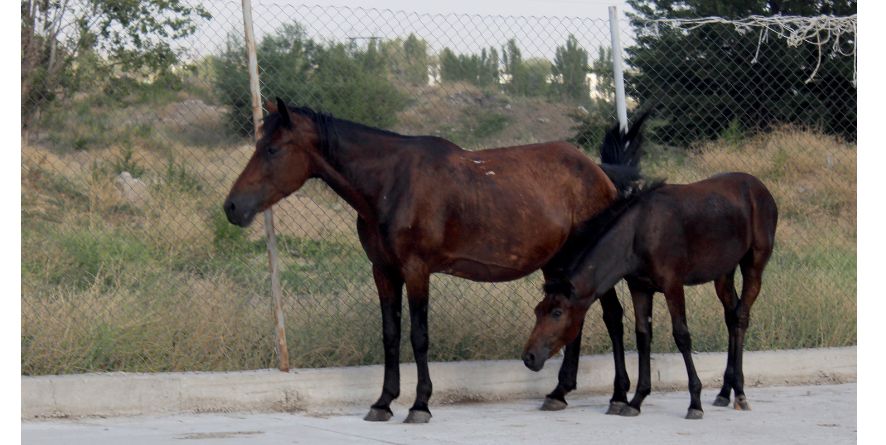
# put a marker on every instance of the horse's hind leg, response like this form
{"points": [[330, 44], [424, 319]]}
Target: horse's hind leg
{"points": [[390, 291], [752, 278], [642, 300], [725, 286], [677, 308]]}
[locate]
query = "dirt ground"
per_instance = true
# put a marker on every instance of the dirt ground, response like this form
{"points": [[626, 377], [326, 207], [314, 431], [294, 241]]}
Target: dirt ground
{"points": [[823, 414]]}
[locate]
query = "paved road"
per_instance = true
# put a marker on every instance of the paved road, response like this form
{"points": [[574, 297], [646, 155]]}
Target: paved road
{"points": [[800, 414]]}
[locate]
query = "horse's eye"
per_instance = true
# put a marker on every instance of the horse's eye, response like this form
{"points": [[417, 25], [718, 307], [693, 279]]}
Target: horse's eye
{"points": [[556, 313], [273, 149]]}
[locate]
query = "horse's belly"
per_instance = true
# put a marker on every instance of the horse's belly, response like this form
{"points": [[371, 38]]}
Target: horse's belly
{"points": [[490, 273]]}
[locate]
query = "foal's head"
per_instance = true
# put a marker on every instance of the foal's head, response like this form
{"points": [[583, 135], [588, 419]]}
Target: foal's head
{"points": [[558, 320], [285, 157]]}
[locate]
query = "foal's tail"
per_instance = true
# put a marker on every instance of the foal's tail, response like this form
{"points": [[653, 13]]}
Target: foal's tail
{"points": [[620, 155]]}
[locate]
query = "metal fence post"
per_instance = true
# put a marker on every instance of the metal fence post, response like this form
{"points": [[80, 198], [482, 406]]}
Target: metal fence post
{"points": [[282, 351], [618, 68]]}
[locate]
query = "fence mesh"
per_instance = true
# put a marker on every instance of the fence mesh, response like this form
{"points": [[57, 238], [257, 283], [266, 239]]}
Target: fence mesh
{"points": [[128, 263]]}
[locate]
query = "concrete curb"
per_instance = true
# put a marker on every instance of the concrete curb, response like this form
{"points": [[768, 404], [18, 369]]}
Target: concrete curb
{"points": [[319, 390]]}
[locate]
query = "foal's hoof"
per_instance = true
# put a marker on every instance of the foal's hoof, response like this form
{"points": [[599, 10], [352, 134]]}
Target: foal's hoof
{"points": [[629, 411], [694, 414], [616, 408], [378, 415], [551, 404], [418, 416], [741, 404], [721, 401]]}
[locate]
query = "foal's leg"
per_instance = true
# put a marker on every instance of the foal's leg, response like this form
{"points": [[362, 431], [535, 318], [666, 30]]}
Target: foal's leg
{"points": [[642, 300], [390, 291], [566, 379], [752, 278], [613, 317], [677, 308], [417, 284], [725, 286]]}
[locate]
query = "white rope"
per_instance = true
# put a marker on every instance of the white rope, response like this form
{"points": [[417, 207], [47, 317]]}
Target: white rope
{"points": [[819, 30]]}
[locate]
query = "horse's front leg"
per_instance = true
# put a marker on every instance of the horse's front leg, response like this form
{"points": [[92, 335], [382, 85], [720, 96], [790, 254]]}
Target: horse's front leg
{"points": [[390, 291], [417, 285]]}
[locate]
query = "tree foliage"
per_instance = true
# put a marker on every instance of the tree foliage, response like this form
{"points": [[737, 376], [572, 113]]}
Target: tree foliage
{"points": [[480, 69], [407, 59], [704, 82], [67, 45], [343, 79], [525, 77], [570, 70], [601, 68]]}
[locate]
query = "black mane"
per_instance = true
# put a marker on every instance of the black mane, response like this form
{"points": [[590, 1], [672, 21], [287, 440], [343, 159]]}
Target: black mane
{"points": [[591, 231], [330, 129]]}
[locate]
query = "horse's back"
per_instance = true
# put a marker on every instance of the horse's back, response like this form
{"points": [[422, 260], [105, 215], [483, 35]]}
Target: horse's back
{"points": [[498, 214], [713, 222]]}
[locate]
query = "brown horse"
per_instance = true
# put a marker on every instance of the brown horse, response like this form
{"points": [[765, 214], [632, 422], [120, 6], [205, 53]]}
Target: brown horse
{"points": [[659, 240], [427, 206]]}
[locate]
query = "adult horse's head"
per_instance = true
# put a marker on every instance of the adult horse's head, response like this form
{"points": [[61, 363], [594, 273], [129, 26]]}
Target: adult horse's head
{"points": [[558, 320], [285, 157]]}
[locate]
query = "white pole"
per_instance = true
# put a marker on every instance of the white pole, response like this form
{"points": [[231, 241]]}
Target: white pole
{"points": [[618, 69], [280, 328]]}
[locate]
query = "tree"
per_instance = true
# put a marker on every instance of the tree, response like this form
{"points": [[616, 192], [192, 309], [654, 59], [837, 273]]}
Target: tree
{"points": [[61, 38], [343, 79], [570, 70], [525, 77], [601, 68], [416, 67], [703, 80], [481, 70]]}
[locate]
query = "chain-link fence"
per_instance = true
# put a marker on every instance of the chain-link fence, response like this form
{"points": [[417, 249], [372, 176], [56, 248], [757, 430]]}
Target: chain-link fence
{"points": [[128, 262]]}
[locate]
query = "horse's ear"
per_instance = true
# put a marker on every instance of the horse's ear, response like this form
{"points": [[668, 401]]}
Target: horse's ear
{"points": [[270, 106], [285, 119]]}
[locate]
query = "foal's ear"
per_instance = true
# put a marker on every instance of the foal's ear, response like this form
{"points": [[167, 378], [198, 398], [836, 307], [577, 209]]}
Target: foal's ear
{"points": [[270, 106], [285, 119], [560, 287]]}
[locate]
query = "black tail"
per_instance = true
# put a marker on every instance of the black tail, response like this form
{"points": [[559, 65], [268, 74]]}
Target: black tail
{"points": [[620, 155]]}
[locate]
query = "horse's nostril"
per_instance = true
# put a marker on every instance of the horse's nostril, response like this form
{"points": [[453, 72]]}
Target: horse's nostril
{"points": [[529, 357]]}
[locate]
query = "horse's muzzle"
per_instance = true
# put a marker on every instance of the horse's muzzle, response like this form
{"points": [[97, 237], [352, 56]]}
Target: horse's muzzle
{"points": [[240, 212], [534, 361]]}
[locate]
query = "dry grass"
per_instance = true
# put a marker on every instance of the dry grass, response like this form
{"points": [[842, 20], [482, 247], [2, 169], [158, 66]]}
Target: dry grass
{"points": [[169, 285]]}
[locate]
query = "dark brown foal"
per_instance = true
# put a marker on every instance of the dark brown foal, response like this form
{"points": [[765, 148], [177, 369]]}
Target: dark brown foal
{"points": [[659, 240]]}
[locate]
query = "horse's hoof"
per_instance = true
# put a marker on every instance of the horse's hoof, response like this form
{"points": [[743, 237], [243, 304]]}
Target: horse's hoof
{"points": [[616, 408], [552, 404], [378, 415], [629, 411], [418, 416], [694, 414], [741, 404], [721, 401]]}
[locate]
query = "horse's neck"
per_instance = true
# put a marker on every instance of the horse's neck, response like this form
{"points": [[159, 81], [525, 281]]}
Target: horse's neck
{"points": [[609, 260], [352, 170]]}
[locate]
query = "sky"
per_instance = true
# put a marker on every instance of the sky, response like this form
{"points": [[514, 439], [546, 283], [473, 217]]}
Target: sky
{"points": [[462, 25]]}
